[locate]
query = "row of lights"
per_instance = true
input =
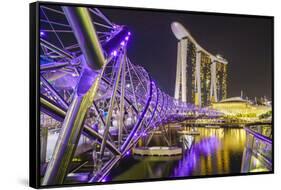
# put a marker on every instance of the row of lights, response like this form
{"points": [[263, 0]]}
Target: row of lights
{"points": [[114, 52]]}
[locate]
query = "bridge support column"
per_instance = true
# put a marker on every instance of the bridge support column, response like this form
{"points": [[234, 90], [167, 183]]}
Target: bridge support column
{"points": [[121, 65], [122, 103], [43, 144]]}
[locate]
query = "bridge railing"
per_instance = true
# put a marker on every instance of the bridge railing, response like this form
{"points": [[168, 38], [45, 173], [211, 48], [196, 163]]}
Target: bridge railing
{"points": [[257, 154]]}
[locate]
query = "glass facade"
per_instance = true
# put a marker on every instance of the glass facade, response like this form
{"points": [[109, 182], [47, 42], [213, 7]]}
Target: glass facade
{"points": [[190, 70], [221, 74], [205, 77], [224, 82]]}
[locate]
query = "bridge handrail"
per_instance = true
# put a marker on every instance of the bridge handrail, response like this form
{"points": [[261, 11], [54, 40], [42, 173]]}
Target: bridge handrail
{"points": [[257, 134]]}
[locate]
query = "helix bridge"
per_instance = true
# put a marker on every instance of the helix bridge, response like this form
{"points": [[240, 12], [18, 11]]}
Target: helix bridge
{"points": [[89, 87]]}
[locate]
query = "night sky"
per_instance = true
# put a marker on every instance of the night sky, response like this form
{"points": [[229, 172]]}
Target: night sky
{"points": [[246, 42]]}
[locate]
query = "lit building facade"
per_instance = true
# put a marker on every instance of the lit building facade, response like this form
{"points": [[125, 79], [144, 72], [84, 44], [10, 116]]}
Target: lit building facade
{"points": [[201, 77], [221, 74], [205, 77], [237, 107]]}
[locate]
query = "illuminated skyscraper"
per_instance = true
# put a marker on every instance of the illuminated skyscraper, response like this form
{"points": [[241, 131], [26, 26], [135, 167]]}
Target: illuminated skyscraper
{"points": [[201, 77]]}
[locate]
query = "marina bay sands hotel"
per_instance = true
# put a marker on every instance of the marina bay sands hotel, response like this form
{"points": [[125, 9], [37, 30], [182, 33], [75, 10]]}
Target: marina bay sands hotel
{"points": [[201, 77]]}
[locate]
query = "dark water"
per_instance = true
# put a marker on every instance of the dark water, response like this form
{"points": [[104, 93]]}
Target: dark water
{"points": [[214, 151]]}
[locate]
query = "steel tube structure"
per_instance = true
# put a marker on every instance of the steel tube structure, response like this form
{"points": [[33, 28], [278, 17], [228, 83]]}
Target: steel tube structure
{"points": [[109, 100], [54, 48], [72, 126], [85, 33], [60, 114], [111, 103]]}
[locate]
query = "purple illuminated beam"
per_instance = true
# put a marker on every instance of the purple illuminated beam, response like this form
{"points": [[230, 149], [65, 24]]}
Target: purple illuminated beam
{"points": [[258, 135], [72, 127], [113, 43], [138, 124]]}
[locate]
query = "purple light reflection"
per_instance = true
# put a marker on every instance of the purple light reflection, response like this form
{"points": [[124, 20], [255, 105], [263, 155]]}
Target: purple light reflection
{"points": [[81, 177], [205, 147], [103, 180], [106, 178]]}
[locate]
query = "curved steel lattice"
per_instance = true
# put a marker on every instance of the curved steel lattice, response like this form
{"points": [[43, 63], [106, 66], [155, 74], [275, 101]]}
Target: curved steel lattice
{"points": [[112, 103]]}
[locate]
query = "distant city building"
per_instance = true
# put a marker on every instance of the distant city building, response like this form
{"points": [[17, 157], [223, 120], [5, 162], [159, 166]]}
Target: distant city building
{"points": [[201, 77], [240, 108]]}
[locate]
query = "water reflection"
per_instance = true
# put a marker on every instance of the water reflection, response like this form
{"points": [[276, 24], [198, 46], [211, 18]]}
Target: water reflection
{"points": [[200, 152], [215, 151]]}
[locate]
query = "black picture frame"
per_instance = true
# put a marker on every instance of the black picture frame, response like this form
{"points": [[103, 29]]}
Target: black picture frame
{"points": [[34, 94]]}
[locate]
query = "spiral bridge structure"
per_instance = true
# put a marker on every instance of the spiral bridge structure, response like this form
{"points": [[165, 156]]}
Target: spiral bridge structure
{"points": [[90, 89]]}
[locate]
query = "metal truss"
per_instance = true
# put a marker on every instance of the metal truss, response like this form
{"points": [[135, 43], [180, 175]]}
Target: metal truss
{"points": [[113, 103]]}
